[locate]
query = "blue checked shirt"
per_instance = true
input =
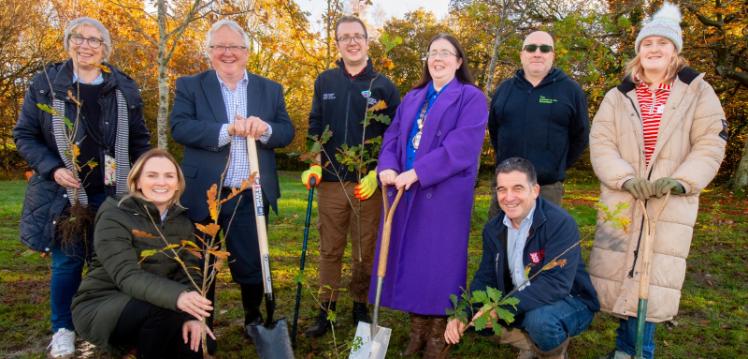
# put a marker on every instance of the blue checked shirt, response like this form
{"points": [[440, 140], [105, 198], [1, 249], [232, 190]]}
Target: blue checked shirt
{"points": [[235, 102], [516, 240]]}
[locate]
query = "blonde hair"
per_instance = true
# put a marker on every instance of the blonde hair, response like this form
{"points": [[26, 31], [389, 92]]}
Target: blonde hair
{"points": [[635, 70], [137, 170]]}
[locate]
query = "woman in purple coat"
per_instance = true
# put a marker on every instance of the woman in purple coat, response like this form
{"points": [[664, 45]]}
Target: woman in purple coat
{"points": [[431, 149]]}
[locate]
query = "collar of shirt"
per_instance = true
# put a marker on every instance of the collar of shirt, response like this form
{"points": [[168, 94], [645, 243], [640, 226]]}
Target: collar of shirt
{"points": [[516, 241], [97, 81], [525, 222], [661, 87], [242, 82]]}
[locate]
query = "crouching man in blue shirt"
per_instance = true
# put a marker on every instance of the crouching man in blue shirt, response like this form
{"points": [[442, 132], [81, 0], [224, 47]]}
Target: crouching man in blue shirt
{"points": [[530, 232]]}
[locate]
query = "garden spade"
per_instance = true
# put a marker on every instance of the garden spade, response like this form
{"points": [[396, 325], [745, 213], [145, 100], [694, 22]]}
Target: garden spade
{"points": [[375, 339], [302, 260], [646, 250], [271, 337]]}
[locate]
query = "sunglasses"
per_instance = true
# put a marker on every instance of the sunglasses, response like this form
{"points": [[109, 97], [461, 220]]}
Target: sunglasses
{"points": [[543, 48]]}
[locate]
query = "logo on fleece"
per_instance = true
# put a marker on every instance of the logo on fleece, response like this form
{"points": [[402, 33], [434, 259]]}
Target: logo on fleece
{"points": [[547, 100], [538, 256], [370, 101]]}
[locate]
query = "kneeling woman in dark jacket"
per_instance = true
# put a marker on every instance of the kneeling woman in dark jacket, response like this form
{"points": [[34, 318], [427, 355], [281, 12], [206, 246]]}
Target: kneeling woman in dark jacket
{"points": [[149, 303]]}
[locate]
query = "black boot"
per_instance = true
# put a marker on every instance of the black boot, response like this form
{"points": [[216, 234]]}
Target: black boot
{"points": [[321, 324], [360, 313], [251, 299]]}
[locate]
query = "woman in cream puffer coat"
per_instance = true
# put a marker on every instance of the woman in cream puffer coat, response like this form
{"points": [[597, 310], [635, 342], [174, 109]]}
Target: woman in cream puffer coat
{"points": [[661, 130]]}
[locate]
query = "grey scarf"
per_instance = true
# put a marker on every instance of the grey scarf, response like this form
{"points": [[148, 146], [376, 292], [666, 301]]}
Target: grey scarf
{"points": [[121, 146]]}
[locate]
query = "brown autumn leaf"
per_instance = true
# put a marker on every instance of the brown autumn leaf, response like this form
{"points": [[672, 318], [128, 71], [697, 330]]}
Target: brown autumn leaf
{"points": [[73, 98], [144, 234], [105, 69], [218, 265], [210, 229], [219, 254], [381, 105], [553, 264], [195, 253], [212, 195]]}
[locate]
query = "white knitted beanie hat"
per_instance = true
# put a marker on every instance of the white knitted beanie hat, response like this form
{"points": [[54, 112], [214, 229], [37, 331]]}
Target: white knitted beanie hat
{"points": [[666, 23]]}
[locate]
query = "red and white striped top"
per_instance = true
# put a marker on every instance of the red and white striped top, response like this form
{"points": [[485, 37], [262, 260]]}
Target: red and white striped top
{"points": [[651, 108]]}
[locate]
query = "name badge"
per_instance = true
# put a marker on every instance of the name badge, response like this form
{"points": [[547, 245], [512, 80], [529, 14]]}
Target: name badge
{"points": [[110, 171]]}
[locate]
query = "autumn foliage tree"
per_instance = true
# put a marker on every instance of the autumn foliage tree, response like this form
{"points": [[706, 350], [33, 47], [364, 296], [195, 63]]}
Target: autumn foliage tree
{"points": [[593, 42]]}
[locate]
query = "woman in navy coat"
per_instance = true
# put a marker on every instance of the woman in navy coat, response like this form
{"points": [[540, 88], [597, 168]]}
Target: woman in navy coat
{"points": [[431, 150]]}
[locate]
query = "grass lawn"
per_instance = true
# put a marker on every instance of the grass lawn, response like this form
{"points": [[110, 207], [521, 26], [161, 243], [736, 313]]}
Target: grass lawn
{"points": [[712, 321]]}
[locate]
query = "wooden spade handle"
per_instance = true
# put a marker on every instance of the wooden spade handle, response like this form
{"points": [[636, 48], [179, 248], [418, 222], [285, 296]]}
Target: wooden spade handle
{"points": [[262, 233], [647, 246], [389, 213]]}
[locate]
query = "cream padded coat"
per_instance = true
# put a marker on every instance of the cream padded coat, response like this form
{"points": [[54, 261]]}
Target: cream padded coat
{"points": [[690, 148]]}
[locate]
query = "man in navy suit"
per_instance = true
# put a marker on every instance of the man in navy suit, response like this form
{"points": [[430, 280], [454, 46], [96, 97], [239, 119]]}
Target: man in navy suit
{"points": [[215, 113]]}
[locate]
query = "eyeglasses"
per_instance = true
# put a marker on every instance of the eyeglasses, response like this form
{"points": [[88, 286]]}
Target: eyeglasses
{"points": [[234, 49], [347, 39], [543, 48], [93, 42], [440, 54]]}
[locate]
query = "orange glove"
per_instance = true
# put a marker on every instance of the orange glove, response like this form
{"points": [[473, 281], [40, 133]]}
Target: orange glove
{"points": [[314, 171], [367, 186]]}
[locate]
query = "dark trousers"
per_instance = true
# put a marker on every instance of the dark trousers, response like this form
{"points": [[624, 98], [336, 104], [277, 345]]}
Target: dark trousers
{"points": [[237, 221], [154, 331]]}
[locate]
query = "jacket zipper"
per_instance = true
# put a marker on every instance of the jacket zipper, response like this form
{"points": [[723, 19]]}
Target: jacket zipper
{"points": [[641, 228]]}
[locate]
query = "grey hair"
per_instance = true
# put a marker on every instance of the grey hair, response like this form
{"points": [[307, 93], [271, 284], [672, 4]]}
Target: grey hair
{"points": [[231, 24], [75, 23]]}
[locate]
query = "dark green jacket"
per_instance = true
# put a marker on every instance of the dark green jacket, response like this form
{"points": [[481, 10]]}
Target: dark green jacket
{"points": [[116, 274]]}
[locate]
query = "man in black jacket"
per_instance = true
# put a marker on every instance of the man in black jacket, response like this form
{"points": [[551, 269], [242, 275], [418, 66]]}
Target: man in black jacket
{"points": [[539, 114], [348, 200], [527, 236]]}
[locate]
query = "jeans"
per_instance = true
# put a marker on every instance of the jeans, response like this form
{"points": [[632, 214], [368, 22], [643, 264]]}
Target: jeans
{"points": [[67, 267], [550, 325], [626, 338]]}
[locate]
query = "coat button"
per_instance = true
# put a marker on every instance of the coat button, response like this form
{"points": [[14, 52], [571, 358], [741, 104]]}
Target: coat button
{"points": [[428, 195], [64, 195], [438, 133], [54, 222]]}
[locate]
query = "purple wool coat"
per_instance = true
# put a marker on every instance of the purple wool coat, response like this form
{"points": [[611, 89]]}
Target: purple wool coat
{"points": [[428, 247]]}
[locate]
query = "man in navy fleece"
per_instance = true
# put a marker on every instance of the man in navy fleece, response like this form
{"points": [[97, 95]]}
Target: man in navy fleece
{"points": [[539, 114], [528, 234]]}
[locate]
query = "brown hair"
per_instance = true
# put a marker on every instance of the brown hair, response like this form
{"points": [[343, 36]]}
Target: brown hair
{"points": [[635, 70], [462, 73], [137, 170], [346, 19]]}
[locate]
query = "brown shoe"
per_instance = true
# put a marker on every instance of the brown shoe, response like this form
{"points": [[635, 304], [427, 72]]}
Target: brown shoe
{"points": [[420, 326], [558, 352], [436, 346]]}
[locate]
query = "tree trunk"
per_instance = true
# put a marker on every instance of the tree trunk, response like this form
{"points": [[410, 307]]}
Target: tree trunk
{"points": [[494, 54], [163, 81], [740, 178]]}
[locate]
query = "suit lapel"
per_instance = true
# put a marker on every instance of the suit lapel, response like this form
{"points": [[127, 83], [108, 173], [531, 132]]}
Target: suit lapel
{"points": [[253, 106], [212, 92]]}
